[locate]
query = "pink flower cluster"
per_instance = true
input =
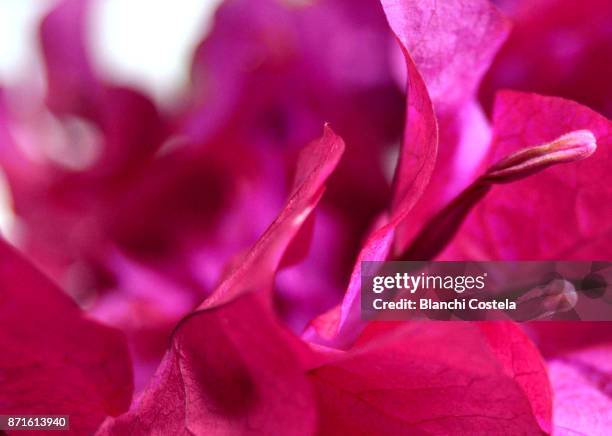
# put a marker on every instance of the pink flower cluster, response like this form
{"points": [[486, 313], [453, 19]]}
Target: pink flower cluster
{"points": [[197, 270]]}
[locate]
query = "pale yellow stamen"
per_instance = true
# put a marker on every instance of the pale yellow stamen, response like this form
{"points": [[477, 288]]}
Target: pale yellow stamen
{"points": [[573, 146]]}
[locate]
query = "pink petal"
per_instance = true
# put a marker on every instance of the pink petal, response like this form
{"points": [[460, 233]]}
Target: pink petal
{"points": [[129, 121], [54, 359], [231, 367], [556, 48], [419, 147], [522, 361], [315, 164], [563, 211], [582, 384], [566, 149], [412, 176], [341, 325], [292, 69], [560, 337], [452, 44], [433, 45], [70, 76], [434, 378], [123, 123]]}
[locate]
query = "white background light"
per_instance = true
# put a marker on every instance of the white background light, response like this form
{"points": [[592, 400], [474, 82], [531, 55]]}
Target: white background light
{"points": [[143, 43], [148, 43]]}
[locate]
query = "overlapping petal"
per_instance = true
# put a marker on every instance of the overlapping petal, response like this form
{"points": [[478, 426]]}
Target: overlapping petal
{"points": [[247, 378], [162, 214], [452, 54], [448, 53]]}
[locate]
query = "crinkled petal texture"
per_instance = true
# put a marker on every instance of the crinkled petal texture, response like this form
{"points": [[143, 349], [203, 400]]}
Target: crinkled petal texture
{"points": [[435, 378], [582, 385], [54, 359], [231, 368], [452, 44]]}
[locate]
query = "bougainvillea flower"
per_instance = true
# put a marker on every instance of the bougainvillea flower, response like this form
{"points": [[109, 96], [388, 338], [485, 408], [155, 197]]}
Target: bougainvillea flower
{"points": [[146, 216], [282, 384]]}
